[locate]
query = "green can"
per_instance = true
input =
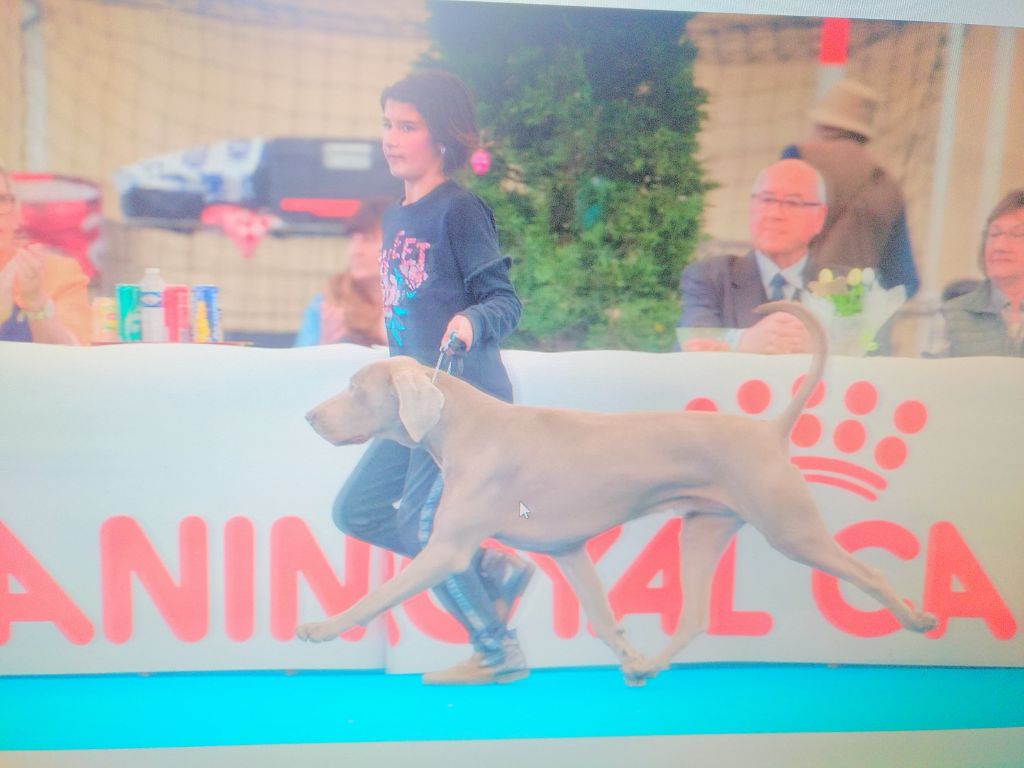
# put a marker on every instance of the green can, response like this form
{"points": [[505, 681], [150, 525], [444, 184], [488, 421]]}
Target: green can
{"points": [[129, 321]]}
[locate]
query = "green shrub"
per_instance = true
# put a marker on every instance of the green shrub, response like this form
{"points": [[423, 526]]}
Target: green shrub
{"points": [[591, 117]]}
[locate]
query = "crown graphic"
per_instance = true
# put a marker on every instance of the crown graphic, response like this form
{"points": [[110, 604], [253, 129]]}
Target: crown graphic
{"points": [[848, 437]]}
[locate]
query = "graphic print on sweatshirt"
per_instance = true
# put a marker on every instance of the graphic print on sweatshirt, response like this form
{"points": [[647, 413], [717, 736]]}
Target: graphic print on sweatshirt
{"points": [[403, 271]]}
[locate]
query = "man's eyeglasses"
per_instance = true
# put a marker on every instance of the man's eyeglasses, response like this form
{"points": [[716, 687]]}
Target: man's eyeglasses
{"points": [[789, 203], [1017, 233], [6, 203]]}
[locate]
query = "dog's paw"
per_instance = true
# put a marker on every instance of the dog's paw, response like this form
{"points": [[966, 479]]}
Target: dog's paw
{"points": [[639, 671], [316, 631], [628, 655], [915, 620], [924, 622]]}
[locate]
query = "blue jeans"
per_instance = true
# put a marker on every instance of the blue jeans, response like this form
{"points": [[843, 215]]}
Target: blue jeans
{"points": [[389, 500]]}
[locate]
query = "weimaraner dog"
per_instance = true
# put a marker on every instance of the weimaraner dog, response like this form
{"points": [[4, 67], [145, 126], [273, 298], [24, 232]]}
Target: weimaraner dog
{"points": [[720, 471]]}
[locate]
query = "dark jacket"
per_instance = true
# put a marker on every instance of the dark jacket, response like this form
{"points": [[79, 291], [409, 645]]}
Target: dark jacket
{"points": [[975, 326], [866, 224]]}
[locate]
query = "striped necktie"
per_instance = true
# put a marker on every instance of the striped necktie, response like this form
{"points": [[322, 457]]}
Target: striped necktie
{"points": [[778, 283]]}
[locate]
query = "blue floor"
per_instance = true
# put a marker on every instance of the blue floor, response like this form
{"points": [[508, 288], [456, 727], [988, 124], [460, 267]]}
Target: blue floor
{"points": [[238, 708]]}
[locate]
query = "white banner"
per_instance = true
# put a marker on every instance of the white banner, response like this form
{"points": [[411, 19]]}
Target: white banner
{"points": [[167, 507]]}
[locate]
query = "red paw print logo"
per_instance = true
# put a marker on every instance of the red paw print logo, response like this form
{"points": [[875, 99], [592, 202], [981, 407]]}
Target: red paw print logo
{"points": [[849, 437]]}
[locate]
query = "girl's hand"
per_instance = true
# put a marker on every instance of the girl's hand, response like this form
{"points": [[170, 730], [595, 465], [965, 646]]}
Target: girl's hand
{"points": [[463, 330]]}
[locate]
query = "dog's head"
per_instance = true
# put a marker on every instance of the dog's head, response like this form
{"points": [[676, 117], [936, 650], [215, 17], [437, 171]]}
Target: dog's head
{"points": [[393, 398]]}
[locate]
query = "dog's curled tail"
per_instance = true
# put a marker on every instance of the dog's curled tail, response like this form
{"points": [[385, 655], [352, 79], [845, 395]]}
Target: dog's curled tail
{"points": [[819, 352]]}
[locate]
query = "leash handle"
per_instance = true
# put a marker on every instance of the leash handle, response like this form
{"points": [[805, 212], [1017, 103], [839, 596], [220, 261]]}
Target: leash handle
{"points": [[454, 349]]}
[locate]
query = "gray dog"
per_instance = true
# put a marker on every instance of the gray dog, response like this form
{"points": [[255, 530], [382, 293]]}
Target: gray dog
{"points": [[720, 471]]}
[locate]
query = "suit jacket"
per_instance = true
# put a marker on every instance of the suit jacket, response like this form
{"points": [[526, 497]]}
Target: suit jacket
{"points": [[722, 291]]}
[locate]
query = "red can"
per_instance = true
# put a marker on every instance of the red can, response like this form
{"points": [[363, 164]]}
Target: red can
{"points": [[176, 313]]}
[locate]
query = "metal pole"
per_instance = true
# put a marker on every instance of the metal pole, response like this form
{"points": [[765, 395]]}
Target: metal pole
{"points": [[34, 86], [926, 302], [995, 133], [943, 161], [833, 43]]}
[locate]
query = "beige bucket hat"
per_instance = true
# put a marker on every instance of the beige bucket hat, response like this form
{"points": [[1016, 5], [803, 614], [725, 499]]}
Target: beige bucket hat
{"points": [[849, 105]]}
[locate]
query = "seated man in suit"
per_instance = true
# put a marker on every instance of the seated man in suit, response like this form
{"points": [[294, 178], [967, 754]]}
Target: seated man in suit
{"points": [[787, 209]]}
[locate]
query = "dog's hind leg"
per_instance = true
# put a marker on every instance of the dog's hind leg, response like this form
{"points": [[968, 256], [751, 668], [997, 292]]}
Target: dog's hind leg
{"points": [[703, 539], [438, 560], [582, 576], [811, 544]]}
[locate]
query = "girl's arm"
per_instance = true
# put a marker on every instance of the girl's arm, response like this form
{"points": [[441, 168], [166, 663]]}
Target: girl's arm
{"points": [[496, 308]]}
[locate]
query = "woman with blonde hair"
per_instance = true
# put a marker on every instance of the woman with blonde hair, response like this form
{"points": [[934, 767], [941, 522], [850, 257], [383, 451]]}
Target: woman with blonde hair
{"points": [[350, 309]]}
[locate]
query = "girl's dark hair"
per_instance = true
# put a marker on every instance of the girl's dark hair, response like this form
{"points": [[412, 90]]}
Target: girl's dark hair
{"points": [[1014, 201], [448, 109]]}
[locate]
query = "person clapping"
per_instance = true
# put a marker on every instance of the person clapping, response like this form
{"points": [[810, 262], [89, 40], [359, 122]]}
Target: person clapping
{"points": [[43, 296]]}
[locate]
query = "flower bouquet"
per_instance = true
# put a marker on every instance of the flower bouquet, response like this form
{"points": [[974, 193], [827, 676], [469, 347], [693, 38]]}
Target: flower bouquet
{"points": [[852, 308]]}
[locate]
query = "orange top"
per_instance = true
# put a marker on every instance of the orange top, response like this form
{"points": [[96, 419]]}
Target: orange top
{"points": [[66, 285]]}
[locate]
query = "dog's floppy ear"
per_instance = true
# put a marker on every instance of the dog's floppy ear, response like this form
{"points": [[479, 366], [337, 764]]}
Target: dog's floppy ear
{"points": [[419, 402]]}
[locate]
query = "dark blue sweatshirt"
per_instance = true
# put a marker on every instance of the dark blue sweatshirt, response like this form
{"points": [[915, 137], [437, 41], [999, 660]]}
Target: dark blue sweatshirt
{"points": [[440, 258]]}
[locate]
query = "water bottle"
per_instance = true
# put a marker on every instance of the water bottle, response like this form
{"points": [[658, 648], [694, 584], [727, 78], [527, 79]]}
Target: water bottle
{"points": [[151, 306]]}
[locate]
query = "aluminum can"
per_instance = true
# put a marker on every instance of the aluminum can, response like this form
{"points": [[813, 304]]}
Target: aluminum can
{"points": [[176, 313], [206, 326], [129, 321], [104, 320]]}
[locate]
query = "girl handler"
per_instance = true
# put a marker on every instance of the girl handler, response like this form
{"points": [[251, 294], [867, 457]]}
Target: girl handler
{"points": [[442, 274]]}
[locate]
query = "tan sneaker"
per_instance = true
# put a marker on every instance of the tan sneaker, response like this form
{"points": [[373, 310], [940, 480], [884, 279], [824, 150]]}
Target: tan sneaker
{"points": [[473, 671]]}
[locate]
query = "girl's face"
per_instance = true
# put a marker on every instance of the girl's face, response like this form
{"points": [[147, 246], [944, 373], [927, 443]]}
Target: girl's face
{"points": [[408, 147]]}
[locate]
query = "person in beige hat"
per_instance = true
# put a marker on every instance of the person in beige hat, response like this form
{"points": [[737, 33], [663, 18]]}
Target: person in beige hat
{"points": [[866, 225]]}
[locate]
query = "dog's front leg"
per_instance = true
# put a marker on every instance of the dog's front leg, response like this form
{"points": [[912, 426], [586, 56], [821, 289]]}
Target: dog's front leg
{"points": [[438, 560], [581, 574], [703, 539]]}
